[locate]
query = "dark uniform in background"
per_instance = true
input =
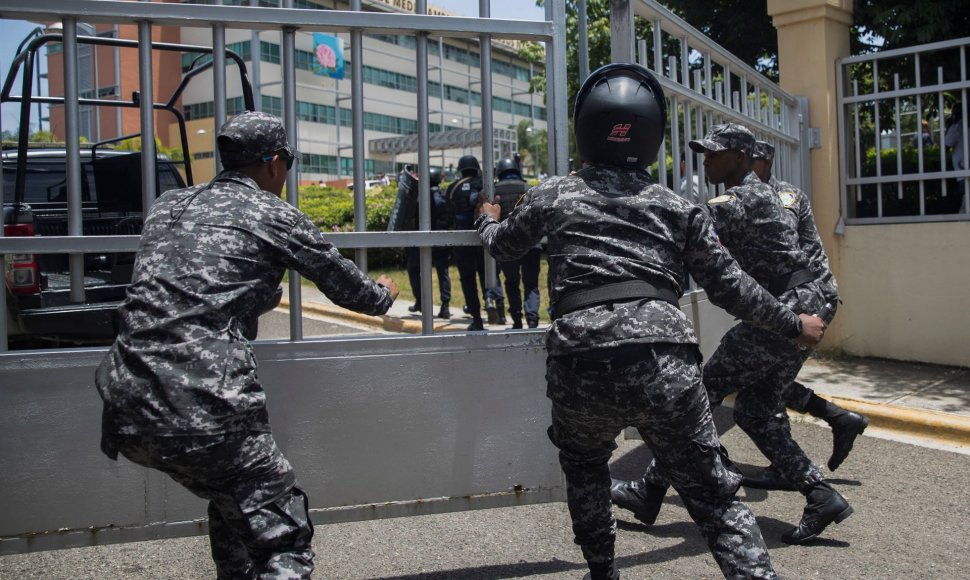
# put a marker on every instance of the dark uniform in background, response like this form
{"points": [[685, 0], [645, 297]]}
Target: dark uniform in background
{"points": [[620, 350], [463, 195], [846, 425], [179, 385], [525, 270], [442, 217], [755, 363]]}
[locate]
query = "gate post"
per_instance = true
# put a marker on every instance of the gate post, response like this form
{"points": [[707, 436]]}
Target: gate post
{"points": [[812, 36]]}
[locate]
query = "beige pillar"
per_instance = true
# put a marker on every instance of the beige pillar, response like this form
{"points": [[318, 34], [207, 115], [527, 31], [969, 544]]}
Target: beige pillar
{"points": [[812, 35]]}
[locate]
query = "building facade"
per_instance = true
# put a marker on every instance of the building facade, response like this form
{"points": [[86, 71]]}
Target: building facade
{"points": [[323, 102]]}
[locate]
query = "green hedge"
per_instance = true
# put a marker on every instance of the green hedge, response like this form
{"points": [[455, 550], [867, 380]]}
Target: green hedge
{"points": [[894, 205], [332, 210]]}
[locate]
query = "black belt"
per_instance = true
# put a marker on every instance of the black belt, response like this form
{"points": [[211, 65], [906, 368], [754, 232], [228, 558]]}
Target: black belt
{"points": [[608, 293], [781, 284]]}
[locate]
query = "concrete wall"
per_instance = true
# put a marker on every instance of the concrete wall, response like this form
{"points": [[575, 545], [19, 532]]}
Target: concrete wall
{"points": [[905, 289]]}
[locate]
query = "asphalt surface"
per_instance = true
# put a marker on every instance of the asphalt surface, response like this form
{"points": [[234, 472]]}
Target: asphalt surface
{"points": [[910, 494], [912, 518]]}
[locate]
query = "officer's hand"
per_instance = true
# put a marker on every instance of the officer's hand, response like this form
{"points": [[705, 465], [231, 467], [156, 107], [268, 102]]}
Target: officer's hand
{"points": [[490, 209], [383, 280], [813, 328]]}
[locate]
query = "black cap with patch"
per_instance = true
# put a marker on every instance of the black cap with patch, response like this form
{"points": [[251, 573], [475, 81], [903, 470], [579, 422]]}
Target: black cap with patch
{"points": [[729, 136], [248, 137]]}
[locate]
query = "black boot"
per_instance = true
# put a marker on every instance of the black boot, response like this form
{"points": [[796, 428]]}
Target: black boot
{"points": [[602, 572], [825, 505], [846, 426], [445, 312], [500, 311], [516, 322], [416, 307], [532, 322], [490, 311], [768, 478], [476, 324], [641, 498]]}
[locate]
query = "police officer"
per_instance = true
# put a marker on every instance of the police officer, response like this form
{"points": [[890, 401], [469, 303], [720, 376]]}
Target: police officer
{"points": [[846, 425], [509, 189], [441, 219], [758, 364], [463, 194], [179, 384], [621, 249]]}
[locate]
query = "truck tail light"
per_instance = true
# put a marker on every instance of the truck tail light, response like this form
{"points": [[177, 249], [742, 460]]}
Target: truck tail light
{"points": [[21, 271]]}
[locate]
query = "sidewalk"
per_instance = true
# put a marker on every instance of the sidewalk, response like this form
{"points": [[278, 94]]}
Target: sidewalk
{"points": [[914, 402]]}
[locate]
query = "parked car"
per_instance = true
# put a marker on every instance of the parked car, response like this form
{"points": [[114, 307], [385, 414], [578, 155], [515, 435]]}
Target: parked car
{"points": [[38, 285]]}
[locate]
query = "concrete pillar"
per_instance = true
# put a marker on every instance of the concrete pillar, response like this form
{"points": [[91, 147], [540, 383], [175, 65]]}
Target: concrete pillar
{"points": [[812, 35]]}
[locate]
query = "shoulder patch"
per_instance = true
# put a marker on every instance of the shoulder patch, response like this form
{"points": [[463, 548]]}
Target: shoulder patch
{"points": [[720, 199], [788, 198]]}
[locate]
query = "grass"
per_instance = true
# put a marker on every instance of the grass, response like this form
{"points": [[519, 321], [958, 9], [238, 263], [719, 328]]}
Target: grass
{"points": [[400, 277]]}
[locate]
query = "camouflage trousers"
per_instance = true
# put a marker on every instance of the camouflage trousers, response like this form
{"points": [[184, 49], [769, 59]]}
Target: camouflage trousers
{"points": [[760, 367], [259, 523], [657, 389]]}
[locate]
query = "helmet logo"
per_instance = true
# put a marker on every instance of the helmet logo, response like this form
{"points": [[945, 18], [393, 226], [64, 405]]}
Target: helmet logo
{"points": [[619, 132]]}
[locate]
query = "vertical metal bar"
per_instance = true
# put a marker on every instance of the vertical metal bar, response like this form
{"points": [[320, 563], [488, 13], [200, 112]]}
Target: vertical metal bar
{"points": [[357, 131], [875, 102], [676, 145], [119, 130], [256, 52], [745, 107], [288, 62], [658, 63], [621, 31], [218, 85], [3, 260], [488, 145], [757, 103], [642, 56], [672, 68], [685, 62], [583, 42], [73, 162], [858, 139], [558, 17], [919, 137], [727, 84], [147, 92], [939, 81], [964, 132], [708, 88], [899, 140], [424, 185]]}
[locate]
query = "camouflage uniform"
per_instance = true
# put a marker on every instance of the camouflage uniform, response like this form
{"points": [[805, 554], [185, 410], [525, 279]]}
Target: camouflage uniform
{"points": [[636, 362], [800, 212], [525, 270], [757, 364], [180, 386]]}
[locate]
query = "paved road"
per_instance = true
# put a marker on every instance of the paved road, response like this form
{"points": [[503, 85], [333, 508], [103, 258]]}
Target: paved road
{"points": [[276, 325], [912, 520]]}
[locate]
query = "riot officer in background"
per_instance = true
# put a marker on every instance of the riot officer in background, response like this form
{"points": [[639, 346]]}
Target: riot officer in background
{"points": [[441, 219], [525, 270], [621, 249], [463, 194]]}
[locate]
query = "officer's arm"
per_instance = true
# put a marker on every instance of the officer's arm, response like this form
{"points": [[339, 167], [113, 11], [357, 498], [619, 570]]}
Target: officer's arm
{"points": [[514, 237], [318, 260], [727, 285], [811, 243]]}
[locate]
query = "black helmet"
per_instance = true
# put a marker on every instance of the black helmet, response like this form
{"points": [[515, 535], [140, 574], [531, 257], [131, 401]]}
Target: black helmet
{"points": [[507, 167], [468, 166], [434, 176], [620, 116]]}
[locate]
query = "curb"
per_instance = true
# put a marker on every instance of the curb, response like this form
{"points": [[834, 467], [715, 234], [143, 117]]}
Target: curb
{"points": [[383, 322], [946, 427]]}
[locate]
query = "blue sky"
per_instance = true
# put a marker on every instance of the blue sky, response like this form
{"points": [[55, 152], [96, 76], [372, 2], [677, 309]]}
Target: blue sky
{"points": [[12, 32]]}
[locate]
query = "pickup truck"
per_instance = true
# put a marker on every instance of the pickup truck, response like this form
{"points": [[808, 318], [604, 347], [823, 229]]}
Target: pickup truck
{"points": [[40, 311], [39, 308]]}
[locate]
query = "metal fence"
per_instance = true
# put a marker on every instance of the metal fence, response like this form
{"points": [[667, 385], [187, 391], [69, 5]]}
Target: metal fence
{"points": [[706, 86], [902, 117]]}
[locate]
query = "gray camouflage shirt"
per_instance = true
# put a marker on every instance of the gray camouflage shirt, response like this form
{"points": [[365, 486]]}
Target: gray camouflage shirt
{"points": [[800, 208], [607, 225], [208, 260]]}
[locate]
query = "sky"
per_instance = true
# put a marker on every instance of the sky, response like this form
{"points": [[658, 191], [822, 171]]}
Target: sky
{"points": [[12, 32]]}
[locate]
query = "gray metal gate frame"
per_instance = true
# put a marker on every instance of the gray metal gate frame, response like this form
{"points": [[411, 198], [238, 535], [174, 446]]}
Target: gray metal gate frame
{"points": [[379, 435]]}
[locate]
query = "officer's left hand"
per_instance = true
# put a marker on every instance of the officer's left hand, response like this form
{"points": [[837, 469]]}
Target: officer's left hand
{"points": [[813, 328], [490, 209], [386, 281]]}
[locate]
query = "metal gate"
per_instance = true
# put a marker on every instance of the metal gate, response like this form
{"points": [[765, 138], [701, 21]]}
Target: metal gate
{"points": [[380, 426]]}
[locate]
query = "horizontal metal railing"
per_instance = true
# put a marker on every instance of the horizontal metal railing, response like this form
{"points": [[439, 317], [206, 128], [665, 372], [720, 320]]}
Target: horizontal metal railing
{"points": [[894, 113]]}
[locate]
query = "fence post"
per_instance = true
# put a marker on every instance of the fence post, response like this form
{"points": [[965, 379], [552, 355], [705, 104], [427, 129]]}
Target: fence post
{"points": [[812, 36]]}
